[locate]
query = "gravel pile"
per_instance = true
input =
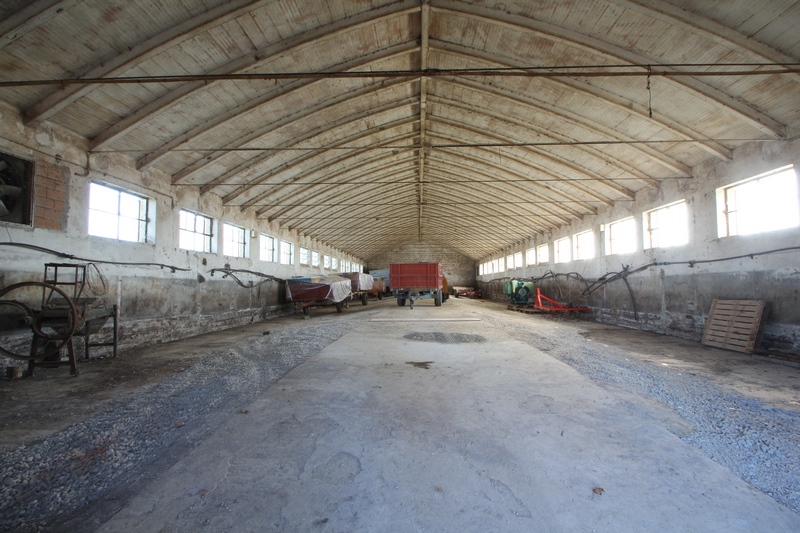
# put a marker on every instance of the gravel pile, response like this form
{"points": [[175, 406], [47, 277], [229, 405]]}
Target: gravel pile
{"points": [[43, 483], [757, 442]]}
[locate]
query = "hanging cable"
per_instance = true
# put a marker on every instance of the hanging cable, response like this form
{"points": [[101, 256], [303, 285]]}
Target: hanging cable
{"points": [[99, 261], [231, 272]]}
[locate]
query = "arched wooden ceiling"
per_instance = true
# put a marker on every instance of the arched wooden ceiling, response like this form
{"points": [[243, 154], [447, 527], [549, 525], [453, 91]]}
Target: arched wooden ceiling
{"points": [[371, 124]]}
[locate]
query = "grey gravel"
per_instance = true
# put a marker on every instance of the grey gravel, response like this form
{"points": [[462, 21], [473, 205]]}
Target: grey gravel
{"points": [[759, 443], [61, 480], [44, 484]]}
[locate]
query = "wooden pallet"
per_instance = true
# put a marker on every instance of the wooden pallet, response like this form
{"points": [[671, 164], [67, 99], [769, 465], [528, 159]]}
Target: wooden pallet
{"points": [[735, 324]]}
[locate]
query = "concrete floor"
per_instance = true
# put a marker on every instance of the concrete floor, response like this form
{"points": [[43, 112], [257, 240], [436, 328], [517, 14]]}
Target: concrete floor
{"points": [[433, 419]]}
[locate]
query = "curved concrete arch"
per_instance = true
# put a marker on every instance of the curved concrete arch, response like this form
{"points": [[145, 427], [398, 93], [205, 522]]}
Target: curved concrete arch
{"points": [[708, 29], [460, 161], [306, 112], [520, 125], [325, 127], [754, 117], [607, 97], [146, 49], [31, 17], [190, 28], [289, 165], [544, 154], [618, 189], [387, 171], [230, 114]]}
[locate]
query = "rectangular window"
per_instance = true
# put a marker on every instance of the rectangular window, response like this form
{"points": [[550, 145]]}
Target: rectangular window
{"points": [[621, 237], [326, 263], [480, 269], [287, 253], [543, 254], [334, 263], [314, 258], [118, 214], [583, 245], [561, 250], [530, 256], [196, 231], [518, 260], [766, 202], [267, 248], [510, 262], [234, 241], [303, 256], [494, 266], [666, 226], [345, 266], [501, 264]]}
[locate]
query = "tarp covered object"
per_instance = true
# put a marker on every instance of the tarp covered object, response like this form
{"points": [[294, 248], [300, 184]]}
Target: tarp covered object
{"points": [[333, 288], [359, 281], [379, 285]]}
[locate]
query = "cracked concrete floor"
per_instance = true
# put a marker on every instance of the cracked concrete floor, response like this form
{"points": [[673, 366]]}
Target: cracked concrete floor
{"points": [[493, 435]]}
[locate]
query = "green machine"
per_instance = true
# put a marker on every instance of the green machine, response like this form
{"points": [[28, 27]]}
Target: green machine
{"points": [[519, 291]]}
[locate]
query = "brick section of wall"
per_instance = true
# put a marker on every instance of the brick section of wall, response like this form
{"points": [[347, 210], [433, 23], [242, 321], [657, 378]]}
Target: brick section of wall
{"points": [[49, 196], [458, 269]]}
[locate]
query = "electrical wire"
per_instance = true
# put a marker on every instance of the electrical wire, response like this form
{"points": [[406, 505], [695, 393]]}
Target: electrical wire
{"points": [[96, 282], [99, 261], [231, 272], [610, 277]]}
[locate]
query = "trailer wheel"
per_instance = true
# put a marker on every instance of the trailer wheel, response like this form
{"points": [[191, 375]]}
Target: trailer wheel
{"points": [[401, 302], [364, 297], [339, 306], [437, 298], [380, 296]]}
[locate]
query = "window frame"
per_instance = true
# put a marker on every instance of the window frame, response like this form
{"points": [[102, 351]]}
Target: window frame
{"points": [[546, 248], [268, 254], [579, 245], [610, 239], [326, 262], [230, 243], [286, 253], [207, 239], [739, 215], [145, 220], [314, 258], [560, 248], [648, 231], [530, 257], [305, 256]]}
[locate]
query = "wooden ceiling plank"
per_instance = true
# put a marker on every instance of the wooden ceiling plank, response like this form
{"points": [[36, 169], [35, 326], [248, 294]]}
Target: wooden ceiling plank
{"points": [[251, 136], [745, 111], [143, 51], [298, 161], [231, 114], [591, 91], [241, 64], [29, 18], [275, 187]]}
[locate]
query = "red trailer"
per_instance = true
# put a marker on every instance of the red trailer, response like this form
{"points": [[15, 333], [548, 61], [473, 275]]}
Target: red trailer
{"points": [[416, 281]]}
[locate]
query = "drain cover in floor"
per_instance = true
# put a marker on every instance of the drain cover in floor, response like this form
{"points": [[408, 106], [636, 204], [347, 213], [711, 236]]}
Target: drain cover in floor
{"points": [[444, 338]]}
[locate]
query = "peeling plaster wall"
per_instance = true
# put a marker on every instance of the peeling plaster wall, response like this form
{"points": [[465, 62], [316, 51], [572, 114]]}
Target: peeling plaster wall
{"points": [[675, 299], [156, 304]]}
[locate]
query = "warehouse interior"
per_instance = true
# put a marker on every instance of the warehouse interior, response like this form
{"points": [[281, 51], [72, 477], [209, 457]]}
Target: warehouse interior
{"points": [[633, 158]]}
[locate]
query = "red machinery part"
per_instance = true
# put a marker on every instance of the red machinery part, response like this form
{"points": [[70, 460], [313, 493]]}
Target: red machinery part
{"points": [[546, 304]]}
